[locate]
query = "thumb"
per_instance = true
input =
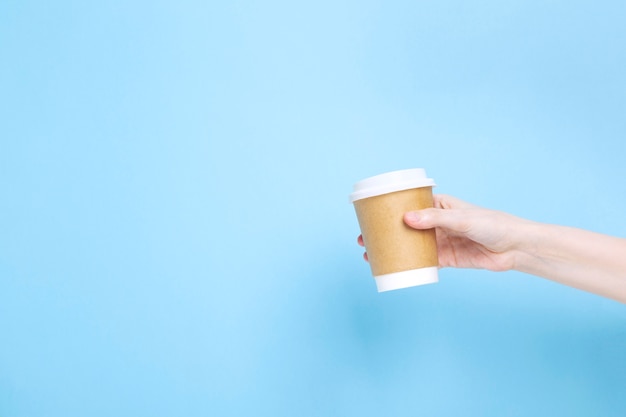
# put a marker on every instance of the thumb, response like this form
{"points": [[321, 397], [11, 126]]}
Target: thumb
{"points": [[455, 220]]}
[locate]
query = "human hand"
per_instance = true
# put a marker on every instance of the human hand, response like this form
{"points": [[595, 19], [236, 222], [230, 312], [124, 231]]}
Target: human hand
{"points": [[469, 236]]}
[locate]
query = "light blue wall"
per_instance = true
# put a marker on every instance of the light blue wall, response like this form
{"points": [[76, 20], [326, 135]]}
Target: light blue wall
{"points": [[175, 236]]}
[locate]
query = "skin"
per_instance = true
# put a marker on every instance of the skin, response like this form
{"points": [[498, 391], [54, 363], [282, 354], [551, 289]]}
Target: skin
{"points": [[469, 236]]}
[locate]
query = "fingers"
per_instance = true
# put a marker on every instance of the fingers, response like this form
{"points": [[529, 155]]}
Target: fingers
{"points": [[455, 220], [362, 243], [449, 212], [445, 201]]}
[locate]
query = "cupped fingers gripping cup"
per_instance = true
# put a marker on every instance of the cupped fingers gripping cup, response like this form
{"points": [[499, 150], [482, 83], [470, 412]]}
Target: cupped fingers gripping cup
{"points": [[399, 256]]}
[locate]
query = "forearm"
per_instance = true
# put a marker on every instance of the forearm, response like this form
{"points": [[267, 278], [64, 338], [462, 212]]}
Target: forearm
{"points": [[586, 260]]}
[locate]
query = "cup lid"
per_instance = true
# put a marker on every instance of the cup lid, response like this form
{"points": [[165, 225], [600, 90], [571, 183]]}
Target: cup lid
{"points": [[391, 182]]}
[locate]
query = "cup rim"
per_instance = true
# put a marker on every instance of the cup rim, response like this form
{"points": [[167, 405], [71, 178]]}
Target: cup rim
{"points": [[390, 182]]}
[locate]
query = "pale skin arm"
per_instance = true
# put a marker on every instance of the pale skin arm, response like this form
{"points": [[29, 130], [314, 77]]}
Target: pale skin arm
{"points": [[469, 236]]}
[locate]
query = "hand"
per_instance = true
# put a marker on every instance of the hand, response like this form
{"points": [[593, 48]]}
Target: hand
{"points": [[469, 236], [473, 237]]}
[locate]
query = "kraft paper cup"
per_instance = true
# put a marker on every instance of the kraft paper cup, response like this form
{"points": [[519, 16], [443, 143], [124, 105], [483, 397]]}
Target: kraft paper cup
{"points": [[399, 256]]}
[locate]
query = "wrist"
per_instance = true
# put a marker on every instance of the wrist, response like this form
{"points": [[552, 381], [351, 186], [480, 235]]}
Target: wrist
{"points": [[527, 238]]}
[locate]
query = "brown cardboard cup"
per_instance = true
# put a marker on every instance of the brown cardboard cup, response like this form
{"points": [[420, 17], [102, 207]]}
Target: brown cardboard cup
{"points": [[399, 256]]}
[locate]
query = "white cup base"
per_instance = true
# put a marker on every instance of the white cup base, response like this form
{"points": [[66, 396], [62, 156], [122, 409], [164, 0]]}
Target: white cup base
{"points": [[405, 279]]}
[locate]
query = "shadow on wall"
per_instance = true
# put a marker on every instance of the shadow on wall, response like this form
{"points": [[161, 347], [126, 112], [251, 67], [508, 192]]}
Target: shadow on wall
{"points": [[337, 337]]}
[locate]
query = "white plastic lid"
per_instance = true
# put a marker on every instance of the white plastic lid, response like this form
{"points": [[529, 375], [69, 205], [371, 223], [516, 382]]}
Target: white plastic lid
{"points": [[391, 182]]}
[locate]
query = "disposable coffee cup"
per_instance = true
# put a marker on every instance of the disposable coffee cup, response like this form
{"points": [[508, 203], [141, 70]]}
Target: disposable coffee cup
{"points": [[399, 256]]}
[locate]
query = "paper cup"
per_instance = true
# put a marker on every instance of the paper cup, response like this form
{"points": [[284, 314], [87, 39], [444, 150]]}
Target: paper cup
{"points": [[399, 256]]}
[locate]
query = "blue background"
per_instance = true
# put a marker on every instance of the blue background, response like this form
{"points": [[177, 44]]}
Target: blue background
{"points": [[175, 236]]}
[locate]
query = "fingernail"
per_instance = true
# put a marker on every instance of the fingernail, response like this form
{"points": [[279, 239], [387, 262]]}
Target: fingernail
{"points": [[412, 216]]}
